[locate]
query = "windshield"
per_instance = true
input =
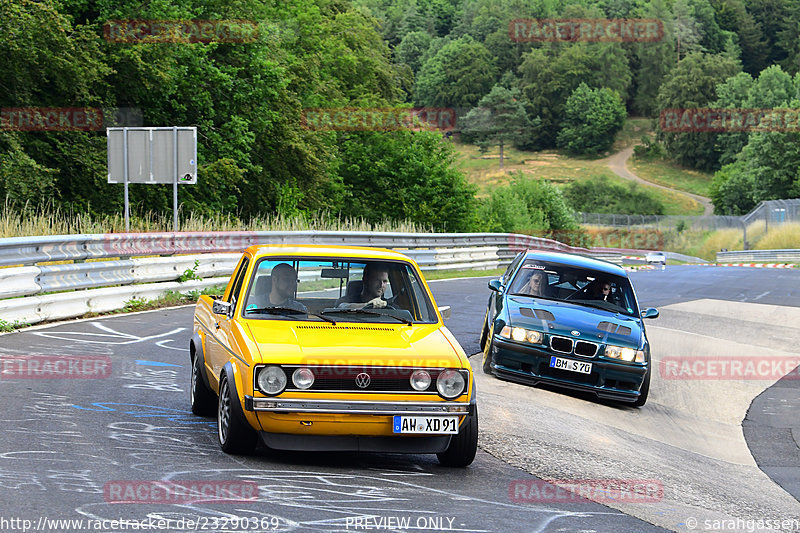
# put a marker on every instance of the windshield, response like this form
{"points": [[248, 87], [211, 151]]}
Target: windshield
{"points": [[334, 290], [555, 281]]}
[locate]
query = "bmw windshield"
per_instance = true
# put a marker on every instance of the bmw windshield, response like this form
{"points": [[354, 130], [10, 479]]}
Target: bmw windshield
{"points": [[565, 283]]}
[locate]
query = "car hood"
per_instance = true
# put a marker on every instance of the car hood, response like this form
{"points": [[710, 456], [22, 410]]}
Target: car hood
{"points": [[313, 343], [593, 324]]}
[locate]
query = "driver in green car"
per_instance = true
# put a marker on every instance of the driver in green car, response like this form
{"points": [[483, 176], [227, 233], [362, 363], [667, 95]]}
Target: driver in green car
{"points": [[374, 281]]}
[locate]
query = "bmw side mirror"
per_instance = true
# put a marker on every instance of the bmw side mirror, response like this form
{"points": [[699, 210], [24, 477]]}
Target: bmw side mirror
{"points": [[496, 285], [650, 312], [445, 311], [220, 307]]}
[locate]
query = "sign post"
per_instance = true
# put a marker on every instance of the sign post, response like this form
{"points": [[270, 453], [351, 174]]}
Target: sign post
{"points": [[152, 155]]}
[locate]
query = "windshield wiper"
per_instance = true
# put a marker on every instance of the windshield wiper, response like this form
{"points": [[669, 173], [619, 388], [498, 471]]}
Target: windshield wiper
{"points": [[287, 311], [368, 312]]}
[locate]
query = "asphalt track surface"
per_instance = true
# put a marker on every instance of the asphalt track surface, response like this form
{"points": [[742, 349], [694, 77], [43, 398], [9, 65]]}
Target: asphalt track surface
{"points": [[67, 443]]}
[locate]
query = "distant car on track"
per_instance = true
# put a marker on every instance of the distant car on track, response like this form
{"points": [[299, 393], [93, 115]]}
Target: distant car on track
{"points": [[658, 258], [569, 321], [317, 348]]}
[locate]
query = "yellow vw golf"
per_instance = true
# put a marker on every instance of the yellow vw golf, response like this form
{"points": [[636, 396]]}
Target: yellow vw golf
{"points": [[332, 348]]}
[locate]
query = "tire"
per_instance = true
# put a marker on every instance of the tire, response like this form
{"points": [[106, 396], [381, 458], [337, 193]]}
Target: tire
{"points": [[644, 391], [463, 446], [202, 398], [235, 434]]}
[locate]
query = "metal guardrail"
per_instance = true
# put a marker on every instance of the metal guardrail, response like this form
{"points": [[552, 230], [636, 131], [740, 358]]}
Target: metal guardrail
{"points": [[112, 270], [768, 256]]}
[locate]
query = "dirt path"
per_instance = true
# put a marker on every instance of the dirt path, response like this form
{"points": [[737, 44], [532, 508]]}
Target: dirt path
{"points": [[617, 164]]}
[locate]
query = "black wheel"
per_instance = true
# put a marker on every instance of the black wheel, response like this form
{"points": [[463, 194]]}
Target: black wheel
{"points": [[202, 398], [644, 391], [463, 446], [235, 434]]}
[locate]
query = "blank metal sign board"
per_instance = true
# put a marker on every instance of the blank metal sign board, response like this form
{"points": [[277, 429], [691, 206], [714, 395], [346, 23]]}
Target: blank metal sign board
{"points": [[153, 155]]}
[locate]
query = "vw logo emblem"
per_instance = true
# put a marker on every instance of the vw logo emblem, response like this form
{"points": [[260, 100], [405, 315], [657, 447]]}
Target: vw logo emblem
{"points": [[576, 332], [362, 380]]}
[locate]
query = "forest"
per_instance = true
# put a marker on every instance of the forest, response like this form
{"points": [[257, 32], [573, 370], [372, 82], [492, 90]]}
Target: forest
{"points": [[248, 97]]}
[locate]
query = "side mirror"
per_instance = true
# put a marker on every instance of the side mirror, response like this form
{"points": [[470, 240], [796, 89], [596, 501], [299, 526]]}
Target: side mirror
{"points": [[650, 312], [220, 307], [445, 311], [496, 285]]}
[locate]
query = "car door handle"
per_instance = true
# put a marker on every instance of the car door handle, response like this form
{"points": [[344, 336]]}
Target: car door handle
{"points": [[216, 325]]}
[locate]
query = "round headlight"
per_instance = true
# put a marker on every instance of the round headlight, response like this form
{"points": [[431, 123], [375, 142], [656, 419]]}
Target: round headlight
{"points": [[303, 378], [420, 380], [534, 337], [272, 380], [450, 384], [627, 354], [518, 334]]}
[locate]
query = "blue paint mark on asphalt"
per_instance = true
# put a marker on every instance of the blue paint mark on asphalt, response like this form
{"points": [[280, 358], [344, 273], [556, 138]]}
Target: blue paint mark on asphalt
{"points": [[154, 363]]}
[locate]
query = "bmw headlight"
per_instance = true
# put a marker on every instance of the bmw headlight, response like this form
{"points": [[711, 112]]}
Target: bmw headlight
{"points": [[522, 334], [626, 354], [450, 384], [271, 380]]}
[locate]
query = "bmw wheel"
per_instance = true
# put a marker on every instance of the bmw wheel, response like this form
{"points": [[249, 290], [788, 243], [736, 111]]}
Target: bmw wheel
{"points": [[644, 391]]}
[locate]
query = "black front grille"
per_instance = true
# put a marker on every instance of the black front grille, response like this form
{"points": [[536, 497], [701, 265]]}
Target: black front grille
{"points": [[585, 349], [561, 344], [381, 379]]}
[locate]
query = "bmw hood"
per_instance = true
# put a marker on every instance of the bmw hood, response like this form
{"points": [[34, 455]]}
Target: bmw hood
{"points": [[565, 319]]}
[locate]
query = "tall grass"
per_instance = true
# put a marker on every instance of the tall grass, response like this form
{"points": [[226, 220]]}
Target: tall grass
{"points": [[24, 222], [783, 237]]}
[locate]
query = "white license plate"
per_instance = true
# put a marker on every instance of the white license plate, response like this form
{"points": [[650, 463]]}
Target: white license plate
{"points": [[569, 364], [438, 425]]}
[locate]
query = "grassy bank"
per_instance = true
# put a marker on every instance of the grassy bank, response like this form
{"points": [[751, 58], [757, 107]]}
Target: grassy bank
{"points": [[671, 175], [483, 170]]}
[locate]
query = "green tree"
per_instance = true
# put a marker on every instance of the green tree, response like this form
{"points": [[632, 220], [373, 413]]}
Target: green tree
{"points": [[732, 94], [656, 60], [732, 190], [411, 48], [459, 75], [733, 16], [499, 119], [548, 77], [592, 117], [526, 206], [600, 195], [405, 175], [692, 85]]}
